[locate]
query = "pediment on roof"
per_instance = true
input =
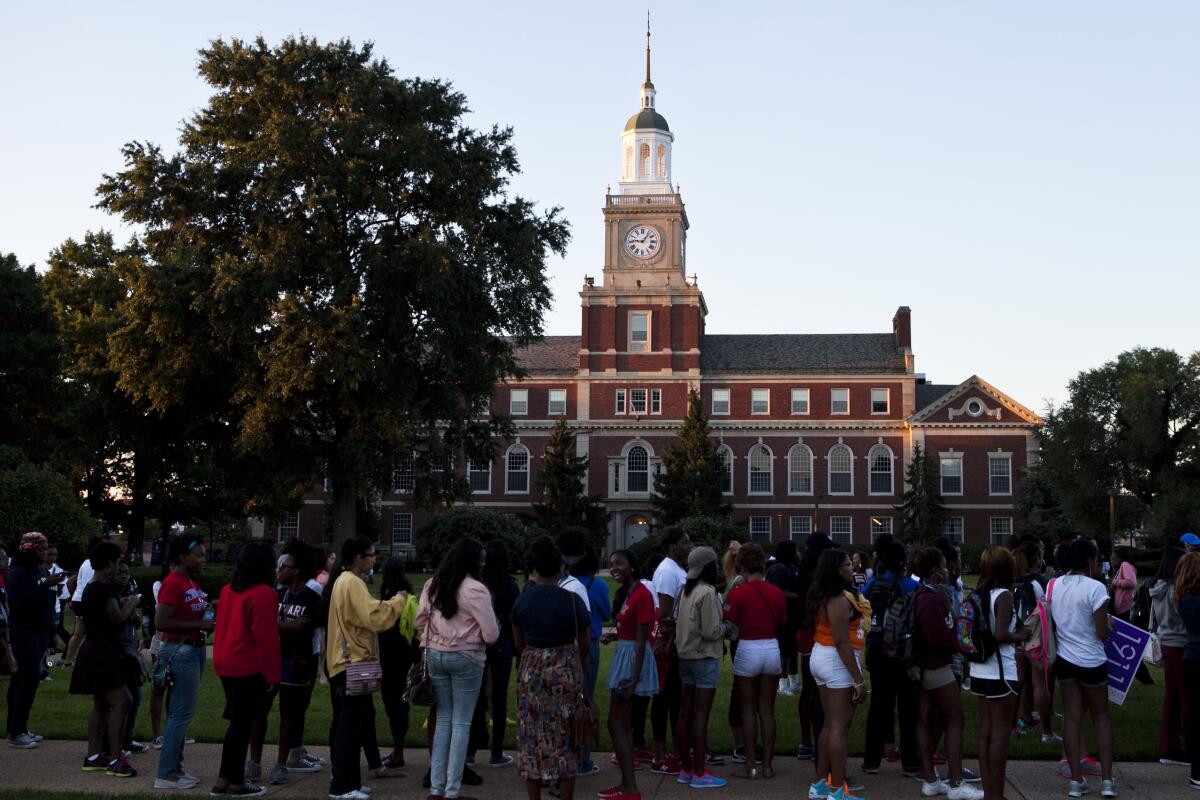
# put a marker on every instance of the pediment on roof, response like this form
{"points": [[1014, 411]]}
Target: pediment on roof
{"points": [[974, 401]]}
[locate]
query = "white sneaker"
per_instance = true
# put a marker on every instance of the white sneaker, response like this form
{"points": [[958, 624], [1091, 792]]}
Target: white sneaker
{"points": [[184, 782], [1078, 788], [1108, 788], [353, 794], [934, 788], [965, 791], [785, 687]]}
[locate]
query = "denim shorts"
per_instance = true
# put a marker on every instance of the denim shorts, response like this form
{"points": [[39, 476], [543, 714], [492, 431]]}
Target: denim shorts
{"points": [[700, 672]]}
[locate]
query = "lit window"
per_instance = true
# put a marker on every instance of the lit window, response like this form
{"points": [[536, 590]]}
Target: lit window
{"points": [[880, 459], [952, 474], [720, 401], [880, 526], [639, 332], [953, 529], [629, 162], [841, 466], [760, 529], [289, 526], [518, 402], [799, 401], [879, 401], [662, 161], [558, 402], [999, 474], [516, 470], [841, 530], [620, 401], [637, 401], [637, 470], [725, 457], [800, 470], [799, 528], [760, 469], [656, 401], [402, 530], [644, 160], [839, 401], [480, 477], [1000, 529], [404, 476], [760, 401]]}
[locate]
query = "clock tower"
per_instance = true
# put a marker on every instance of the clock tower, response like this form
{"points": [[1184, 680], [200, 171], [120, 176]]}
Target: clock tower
{"points": [[648, 316]]}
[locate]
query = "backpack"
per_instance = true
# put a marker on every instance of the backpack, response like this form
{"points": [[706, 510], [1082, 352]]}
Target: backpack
{"points": [[1024, 599], [900, 629], [976, 641], [880, 595], [1040, 646]]}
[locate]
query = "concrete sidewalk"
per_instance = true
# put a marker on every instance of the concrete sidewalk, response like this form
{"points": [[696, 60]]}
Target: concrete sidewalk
{"points": [[55, 766]]}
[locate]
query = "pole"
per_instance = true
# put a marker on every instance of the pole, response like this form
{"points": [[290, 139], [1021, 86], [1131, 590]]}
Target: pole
{"points": [[1112, 516]]}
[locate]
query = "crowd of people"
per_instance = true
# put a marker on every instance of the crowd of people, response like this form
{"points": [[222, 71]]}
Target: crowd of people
{"points": [[893, 629]]}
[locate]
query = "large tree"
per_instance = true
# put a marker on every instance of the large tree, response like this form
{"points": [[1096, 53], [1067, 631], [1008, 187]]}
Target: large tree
{"points": [[693, 477], [1130, 427], [562, 481], [30, 385], [334, 248], [922, 512]]}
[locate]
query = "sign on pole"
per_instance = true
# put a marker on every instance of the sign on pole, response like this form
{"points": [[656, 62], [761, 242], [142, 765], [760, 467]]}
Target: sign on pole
{"points": [[1124, 648]]}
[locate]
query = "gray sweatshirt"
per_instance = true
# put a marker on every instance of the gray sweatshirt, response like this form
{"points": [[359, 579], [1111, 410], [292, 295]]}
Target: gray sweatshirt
{"points": [[1164, 617]]}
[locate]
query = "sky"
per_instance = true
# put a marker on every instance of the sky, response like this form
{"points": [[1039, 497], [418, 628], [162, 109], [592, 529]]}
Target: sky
{"points": [[1024, 175]]}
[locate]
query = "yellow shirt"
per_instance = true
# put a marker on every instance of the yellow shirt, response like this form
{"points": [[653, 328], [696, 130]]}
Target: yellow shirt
{"points": [[356, 618]]}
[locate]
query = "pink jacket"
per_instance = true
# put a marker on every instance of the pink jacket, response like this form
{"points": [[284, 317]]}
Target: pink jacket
{"points": [[1124, 587], [474, 627]]}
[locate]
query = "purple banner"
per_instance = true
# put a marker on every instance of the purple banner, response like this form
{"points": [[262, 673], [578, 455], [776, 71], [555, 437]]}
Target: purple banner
{"points": [[1124, 648]]}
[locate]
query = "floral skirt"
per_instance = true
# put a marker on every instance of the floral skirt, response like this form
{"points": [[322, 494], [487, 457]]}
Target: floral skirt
{"points": [[549, 680]]}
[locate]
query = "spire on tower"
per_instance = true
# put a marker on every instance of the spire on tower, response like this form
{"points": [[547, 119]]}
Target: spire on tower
{"points": [[648, 83]]}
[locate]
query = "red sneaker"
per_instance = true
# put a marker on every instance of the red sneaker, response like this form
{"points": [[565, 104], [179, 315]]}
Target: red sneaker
{"points": [[893, 756], [637, 765], [939, 759], [643, 755], [668, 766], [610, 792]]}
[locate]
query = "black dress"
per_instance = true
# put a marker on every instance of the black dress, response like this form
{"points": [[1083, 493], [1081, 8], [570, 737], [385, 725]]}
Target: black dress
{"points": [[100, 667]]}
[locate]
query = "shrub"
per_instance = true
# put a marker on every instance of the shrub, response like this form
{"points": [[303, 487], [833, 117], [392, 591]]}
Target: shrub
{"points": [[436, 537]]}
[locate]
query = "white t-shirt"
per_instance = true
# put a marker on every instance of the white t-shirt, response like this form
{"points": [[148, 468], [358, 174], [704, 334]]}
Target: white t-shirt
{"points": [[573, 584], [61, 593], [1074, 601], [990, 669], [669, 579], [650, 587], [82, 580]]}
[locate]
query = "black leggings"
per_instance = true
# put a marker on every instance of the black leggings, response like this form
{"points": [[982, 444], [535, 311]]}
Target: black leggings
{"points": [[664, 707], [499, 668], [295, 699], [641, 705], [246, 698], [354, 732]]}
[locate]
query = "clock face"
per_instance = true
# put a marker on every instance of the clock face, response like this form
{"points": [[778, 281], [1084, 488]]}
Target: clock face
{"points": [[642, 241]]}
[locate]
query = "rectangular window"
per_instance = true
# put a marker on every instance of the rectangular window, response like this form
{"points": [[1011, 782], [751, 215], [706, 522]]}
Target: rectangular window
{"points": [[879, 401], [404, 476], [480, 476], [639, 331], [953, 529], [841, 530], [518, 402], [880, 526], [760, 529], [289, 526], [327, 482], [800, 528], [760, 401], [720, 401], [656, 401], [1000, 528], [952, 475], [637, 401], [839, 401], [558, 402], [402, 530], [620, 403], [999, 474], [799, 401]]}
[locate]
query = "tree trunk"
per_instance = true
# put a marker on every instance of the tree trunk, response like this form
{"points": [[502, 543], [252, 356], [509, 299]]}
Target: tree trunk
{"points": [[137, 515], [345, 509]]}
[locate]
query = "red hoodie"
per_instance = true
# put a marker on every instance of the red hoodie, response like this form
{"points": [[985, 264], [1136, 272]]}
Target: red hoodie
{"points": [[938, 638], [247, 635]]}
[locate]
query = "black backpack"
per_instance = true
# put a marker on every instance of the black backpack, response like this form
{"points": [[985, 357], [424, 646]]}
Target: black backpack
{"points": [[901, 632], [1024, 600], [881, 595]]}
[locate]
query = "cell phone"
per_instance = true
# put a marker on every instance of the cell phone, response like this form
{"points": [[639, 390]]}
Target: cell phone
{"points": [[209, 615]]}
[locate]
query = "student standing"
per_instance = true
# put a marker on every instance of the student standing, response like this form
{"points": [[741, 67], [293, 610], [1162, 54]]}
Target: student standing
{"points": [[669, 578], [397, 652], [497, 576], [1166, 622], [600, 612], [30, 591], [1187, 601], [1036, 691], [785, 574]]}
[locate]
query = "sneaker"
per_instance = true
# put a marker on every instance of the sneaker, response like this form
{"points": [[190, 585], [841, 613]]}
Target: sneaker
{"points": [[852, 784], [120, 768], [843, 793], [587, 769], [302, 765], [1051, 738], [714, 759], [934, 788], [279, 775], [471, 777], [668, 766], [684, 777], [642, 754], [37, 737], [637, 765], [367, 790], [611, 791], [707, 781], [158, 743], [22, 742], [804, 752], [182, 782], [391, 763], [818, 790], [188, 740], [135, 746], [870, 770], [939, 759], [96, 763], [910, 772], [353, 794], [893, 755], [241, 791], [964, 791], [315, 761], [253, 772], [502, 760], [1089, 766], [1078, 788], [739, 755], [785, 687], [1195, 784], [970, 775], [1108, 788], [1175, 758]]}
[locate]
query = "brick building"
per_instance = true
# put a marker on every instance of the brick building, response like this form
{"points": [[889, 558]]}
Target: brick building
{"points": [[816, 430]]}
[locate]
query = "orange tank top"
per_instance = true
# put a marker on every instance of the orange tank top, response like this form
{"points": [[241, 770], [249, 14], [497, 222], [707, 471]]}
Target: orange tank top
{"points": [[854, 631]]}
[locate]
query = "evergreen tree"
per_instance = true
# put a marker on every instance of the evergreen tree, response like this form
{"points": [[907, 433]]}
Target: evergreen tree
{"points": [[1041, 506], [922, 513], [693, 475], [562, 480]]}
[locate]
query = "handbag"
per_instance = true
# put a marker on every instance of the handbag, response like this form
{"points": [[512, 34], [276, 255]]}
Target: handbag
{"points": [[418, 689], [362, 677], [585, 721], [1153, 654]]}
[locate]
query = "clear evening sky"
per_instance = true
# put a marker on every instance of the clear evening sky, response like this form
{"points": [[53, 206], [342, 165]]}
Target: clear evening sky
{"points": [[1024, 175]]}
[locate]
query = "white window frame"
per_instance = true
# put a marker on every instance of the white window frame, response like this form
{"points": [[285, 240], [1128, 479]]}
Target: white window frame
{"points": [[880, 526], [848, 534], [633, 401], [796, 450], [955, 529], [656, 401], [725, 399], [887, 400], [404, 481], [619, 403], [551, 399], [800, 396], [728, 460], [472, 471], [800, 528], [942, 476], [999, 537], [850, 472], [400, 521], [759, 535], [648, 471], [757, 397], [518, 399], [288, 527], [833, 401], [995, 458], [509, 472], [881, 450], [770, 473], [639, 347]]}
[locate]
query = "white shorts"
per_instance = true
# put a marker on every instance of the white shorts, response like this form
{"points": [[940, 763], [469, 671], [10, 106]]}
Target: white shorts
{"points": [[756, 657], [827, 668]]}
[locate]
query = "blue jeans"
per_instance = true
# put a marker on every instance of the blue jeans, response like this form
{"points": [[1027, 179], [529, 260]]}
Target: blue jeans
{"points": [[186, 665], [456, 681], [591, 671]]}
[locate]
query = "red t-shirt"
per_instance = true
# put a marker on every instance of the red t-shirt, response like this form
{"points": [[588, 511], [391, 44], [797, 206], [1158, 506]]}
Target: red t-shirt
{"points": [[188, 601], [638, 610], [758, 608]]}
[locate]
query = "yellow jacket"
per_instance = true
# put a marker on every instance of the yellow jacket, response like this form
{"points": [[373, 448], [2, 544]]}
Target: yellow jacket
{"points": [[356, 618]]}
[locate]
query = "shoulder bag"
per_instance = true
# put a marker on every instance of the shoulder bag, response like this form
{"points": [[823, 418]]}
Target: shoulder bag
{"points": [[362, 677], [585, 722], [418, 687]]}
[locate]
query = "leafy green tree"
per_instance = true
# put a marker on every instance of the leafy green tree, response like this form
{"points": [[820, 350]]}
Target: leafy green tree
{"points": [[334, 250], [1131, 426], [30, 385], [1041, 507], [562, 481], [693, 474], [435, 538], [922, 512], [36, 498]]}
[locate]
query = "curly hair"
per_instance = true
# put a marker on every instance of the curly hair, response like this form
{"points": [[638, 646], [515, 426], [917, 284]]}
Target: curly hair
{"points": [[1187, 575]]}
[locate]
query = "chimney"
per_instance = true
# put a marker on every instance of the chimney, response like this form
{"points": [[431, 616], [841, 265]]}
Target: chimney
{"points": [[902, 327]]}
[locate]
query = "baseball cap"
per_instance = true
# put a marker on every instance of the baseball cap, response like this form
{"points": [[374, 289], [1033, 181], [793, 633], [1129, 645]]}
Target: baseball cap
{"points": [[698, 559], [1190, 538], [31, 539]]}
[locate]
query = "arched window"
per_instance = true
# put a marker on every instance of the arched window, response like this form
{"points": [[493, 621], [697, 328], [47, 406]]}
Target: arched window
{"points": [[800, 466], [841, 470], [628, 162], [662, 161], [637, 469], [725, 456], [516, 470], [880, 459], [644, 160], [760, 469]]}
